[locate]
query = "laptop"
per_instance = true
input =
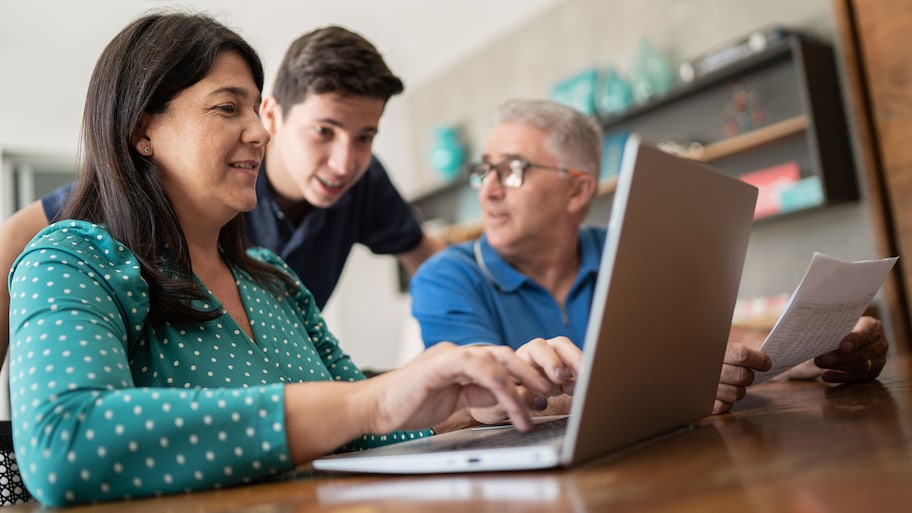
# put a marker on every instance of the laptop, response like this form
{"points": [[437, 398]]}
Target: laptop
{"points": [[660, 319]]}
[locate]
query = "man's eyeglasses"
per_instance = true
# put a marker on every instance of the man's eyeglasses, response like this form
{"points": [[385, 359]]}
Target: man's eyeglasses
{"points": [[510, 173]]}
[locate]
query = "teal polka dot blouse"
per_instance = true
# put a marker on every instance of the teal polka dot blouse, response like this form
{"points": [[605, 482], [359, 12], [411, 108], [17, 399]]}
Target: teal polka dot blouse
{"points": [[106, 407]]}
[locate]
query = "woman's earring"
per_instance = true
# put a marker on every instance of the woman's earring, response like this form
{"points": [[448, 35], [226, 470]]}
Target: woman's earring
{"points": [[147, 149]]}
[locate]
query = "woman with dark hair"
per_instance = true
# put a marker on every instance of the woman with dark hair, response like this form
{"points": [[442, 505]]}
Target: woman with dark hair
{"points": [[151, 351]]}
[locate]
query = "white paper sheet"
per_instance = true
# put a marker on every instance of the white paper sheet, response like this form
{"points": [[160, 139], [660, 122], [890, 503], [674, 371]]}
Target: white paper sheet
{"points": [[823, 309]]}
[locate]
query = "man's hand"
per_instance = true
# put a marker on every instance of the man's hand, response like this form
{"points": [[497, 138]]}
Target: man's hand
{"points": [[737, 373], [861, 356]]}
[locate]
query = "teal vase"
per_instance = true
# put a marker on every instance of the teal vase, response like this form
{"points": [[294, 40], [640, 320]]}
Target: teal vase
{"points": [[615, 95], [651, 73], [447, 152]]}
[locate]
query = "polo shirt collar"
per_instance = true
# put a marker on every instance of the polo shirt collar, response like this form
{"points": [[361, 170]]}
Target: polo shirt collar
{"points": [[502, 274], [591, 248], [508, 279]]}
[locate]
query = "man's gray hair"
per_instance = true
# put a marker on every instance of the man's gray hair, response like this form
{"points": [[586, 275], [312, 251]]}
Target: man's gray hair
{"points": [[574, 138]]}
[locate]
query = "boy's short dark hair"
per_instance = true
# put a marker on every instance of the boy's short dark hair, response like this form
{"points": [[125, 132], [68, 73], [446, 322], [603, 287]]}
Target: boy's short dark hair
{"points": [[333, 60]]}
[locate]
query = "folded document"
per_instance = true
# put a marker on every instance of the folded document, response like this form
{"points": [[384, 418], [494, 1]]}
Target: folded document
{"points": [[823, 309]]}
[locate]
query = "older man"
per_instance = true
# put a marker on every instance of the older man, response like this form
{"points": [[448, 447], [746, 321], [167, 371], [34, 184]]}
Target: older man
{"points": [[533, 271]]}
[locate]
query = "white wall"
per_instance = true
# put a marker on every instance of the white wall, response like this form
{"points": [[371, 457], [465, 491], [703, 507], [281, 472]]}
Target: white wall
{"points": [[571, 36], [48, 49]]}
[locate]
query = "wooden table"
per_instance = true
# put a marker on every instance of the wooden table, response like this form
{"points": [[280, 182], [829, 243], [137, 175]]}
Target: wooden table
{"points": [[802, 447]]}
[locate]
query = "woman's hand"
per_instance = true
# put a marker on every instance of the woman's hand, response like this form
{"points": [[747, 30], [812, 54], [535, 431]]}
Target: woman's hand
{"points": [[447, 378], [558, 360]]}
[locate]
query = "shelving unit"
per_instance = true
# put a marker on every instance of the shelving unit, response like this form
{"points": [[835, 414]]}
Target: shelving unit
{"points": [[775, 119], [798, 128], [750, 140]]}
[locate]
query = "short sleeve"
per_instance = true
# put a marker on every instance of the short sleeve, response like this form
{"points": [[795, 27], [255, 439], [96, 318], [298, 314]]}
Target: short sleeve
{"points": [[53, 202], [449, 301]]}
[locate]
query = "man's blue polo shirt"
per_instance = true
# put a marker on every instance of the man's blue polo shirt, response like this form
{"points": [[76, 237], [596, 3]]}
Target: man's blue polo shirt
{"points": [[468, 294], [372, 213]]}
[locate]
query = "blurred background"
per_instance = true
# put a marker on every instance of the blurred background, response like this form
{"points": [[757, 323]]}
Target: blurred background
{"points": [[458, 59]]}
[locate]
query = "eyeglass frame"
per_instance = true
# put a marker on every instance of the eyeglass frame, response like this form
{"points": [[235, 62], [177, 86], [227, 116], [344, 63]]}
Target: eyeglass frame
{"points": [[517, 169]]}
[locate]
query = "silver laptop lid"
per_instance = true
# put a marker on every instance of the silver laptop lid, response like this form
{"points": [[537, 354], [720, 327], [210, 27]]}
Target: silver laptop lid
{"points": [[660, 317], [663, 302]]}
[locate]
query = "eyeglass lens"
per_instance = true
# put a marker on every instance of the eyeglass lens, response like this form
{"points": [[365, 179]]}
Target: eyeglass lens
{"points": [[513, 169]]}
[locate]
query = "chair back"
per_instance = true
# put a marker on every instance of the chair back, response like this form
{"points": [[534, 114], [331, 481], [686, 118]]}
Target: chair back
{"points": [[12, 491]]}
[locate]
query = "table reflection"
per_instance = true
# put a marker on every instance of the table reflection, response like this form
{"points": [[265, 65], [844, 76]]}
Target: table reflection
{"points": [[498, 492], [813, 447]]}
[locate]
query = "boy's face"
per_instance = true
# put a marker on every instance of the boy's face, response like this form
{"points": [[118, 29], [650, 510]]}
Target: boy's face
{"points": [[321, 146]]}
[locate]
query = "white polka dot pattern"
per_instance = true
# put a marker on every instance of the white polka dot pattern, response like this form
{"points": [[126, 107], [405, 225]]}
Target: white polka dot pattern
{"points": [[105, 407]]}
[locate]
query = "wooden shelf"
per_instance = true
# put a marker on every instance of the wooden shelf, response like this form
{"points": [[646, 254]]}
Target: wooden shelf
{"points": [[793, 84], [750, 140], [460, 232], [607, 186]]}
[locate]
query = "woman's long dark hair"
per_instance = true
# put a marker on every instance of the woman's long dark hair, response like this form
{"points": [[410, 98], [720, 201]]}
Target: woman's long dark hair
{"points": [[140, 71]]}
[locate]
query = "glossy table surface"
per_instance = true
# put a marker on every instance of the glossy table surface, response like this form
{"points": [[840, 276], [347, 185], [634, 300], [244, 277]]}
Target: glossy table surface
{"points": [[787, 447]]}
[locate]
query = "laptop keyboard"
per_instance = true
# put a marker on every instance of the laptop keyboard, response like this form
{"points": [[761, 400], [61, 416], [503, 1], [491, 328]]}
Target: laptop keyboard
{"points": [[513, 438]]}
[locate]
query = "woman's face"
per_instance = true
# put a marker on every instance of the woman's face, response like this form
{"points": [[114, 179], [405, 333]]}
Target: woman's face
{"points": [[209, 143]]}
